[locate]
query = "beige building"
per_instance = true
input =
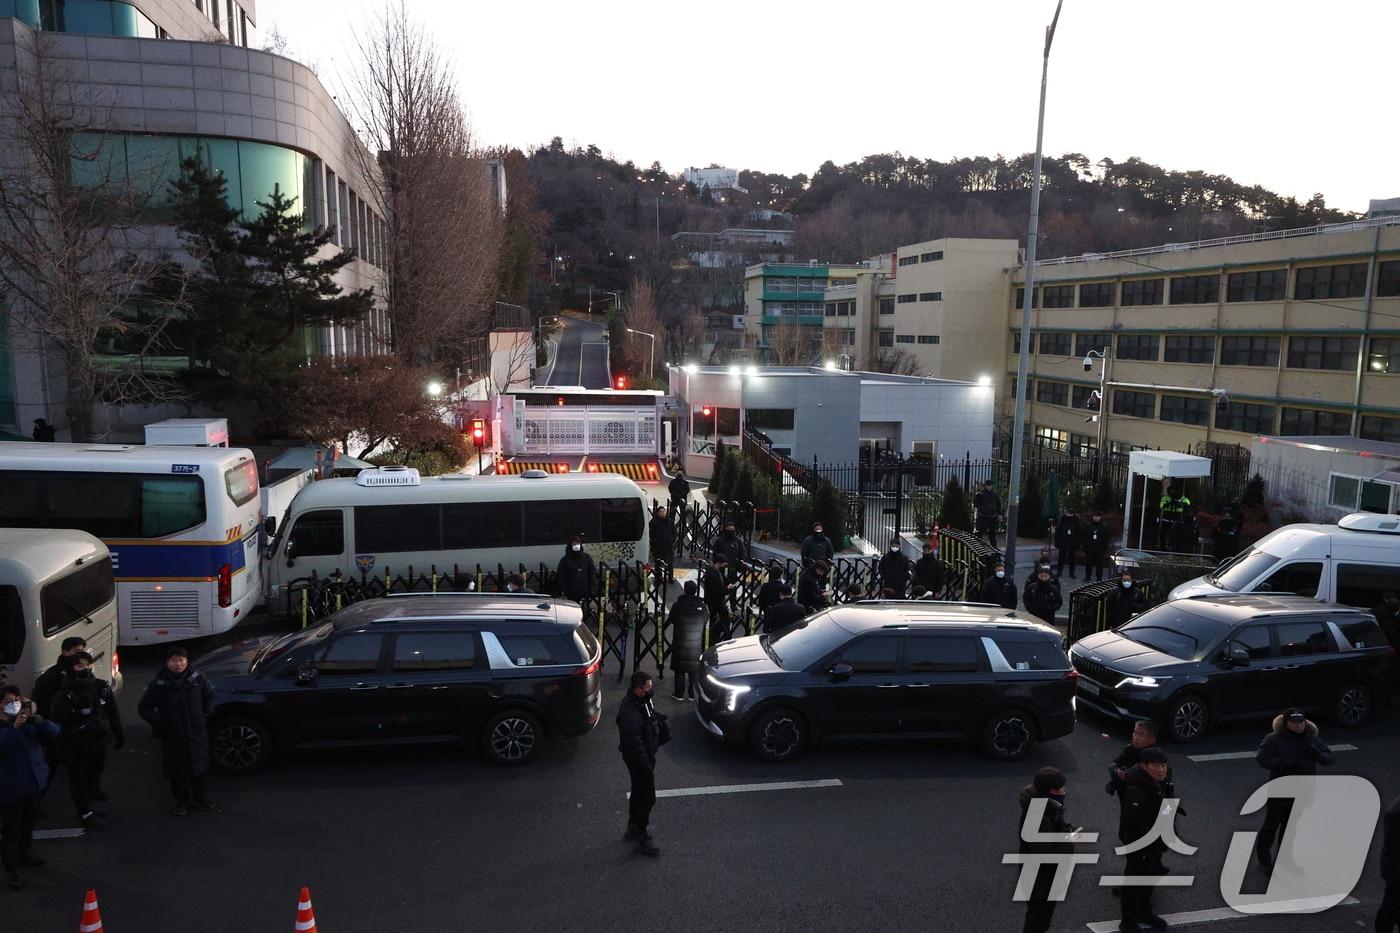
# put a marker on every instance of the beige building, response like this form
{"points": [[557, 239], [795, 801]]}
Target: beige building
{"points": [[1301, 328], [933, 309]]}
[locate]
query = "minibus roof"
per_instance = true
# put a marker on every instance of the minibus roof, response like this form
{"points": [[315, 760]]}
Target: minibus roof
{"points": [[40, 553], [330, 493]]}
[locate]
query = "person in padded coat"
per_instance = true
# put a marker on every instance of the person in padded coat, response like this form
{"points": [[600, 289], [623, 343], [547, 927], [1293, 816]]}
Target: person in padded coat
{"points": [[177, 704], [1144, 791], [1291, 747], [1048, 783], [687, 624], [578, 574]]}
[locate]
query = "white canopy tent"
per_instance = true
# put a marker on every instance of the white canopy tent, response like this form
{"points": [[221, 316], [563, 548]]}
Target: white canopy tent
{"points": [[1162, 465]]}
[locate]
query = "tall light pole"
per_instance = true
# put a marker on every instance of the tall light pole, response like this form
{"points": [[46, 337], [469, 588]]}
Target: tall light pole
{"points": [[651, 352], [1018, 426]]}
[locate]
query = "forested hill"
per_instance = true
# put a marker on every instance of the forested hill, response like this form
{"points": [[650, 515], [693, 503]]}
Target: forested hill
{"points": [[602, 211]]}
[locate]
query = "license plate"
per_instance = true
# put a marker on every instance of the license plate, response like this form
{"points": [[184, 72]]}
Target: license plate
{"points": [[1089, 687]]}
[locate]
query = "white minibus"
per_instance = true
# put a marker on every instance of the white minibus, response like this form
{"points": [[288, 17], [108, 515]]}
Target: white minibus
{"points": [[390, 519], [55, 585], [181, 523], [1352, 562]]}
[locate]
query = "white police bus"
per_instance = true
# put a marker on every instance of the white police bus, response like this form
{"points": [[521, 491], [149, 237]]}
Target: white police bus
{"points": [[181, 524], [390, 519]]}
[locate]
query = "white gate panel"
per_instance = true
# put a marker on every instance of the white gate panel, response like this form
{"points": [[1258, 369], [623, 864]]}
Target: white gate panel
{"points": [[579, 430]]}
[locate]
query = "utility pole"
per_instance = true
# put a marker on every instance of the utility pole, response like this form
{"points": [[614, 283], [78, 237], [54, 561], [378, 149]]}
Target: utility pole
{"points": [[1018, 426]]}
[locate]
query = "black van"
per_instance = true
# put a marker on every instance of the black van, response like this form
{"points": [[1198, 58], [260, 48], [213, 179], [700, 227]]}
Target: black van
{"points": [[882, 671], [1192, 662], [501, 670]]}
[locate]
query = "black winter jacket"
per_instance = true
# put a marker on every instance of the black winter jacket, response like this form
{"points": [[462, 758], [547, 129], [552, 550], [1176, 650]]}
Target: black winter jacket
{"points": [[731, 546], [1052, 822], [662, 535], [814, 548], [1138, 806], [930, 572], [998, 592], [782, 614], [178, 709], [1390, 842], [638, 734], [679, 489], [1124, 603], [1126, 760], [1285, 752], [768, 594], [686, 621], [987, 503], [1043, 599], [1096, 538], [1068, 533], [894, 572], [86, 711], [809, 591], [46, 686], [578, 575], [716, 593]]}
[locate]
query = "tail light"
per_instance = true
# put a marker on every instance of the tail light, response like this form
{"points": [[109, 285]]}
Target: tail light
{"points": [[116, 663], [225, 586], [1072, 676], [588, 669]]}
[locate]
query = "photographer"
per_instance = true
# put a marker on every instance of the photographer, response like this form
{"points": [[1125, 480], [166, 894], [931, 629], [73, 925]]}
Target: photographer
{"points": [[23, 775], [641, 730]]}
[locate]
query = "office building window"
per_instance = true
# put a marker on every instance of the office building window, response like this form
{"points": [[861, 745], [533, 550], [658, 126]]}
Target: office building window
{"points": [[1021, 298], [1267, 285], [1134, 404], [930, 296], [1142, 292], [1054, 344], [1052, 393], [928, 338], [1320, 282], [1079, 396], [1323, 352], [1251, 419], [1058, 296], [908, 260], [1189, 350], [332, 207], [1016, 343], [1388, 280], [1051, 438], [1377, 428], [1083, 343], [1097, 295], [1249, 351], [1195, 289], [1305, 422], [846, 337], [1184, 409], [1082, 445], [884, 337], [1384, 356], [1137, 347], [830, 309], [904, 338], [908, 299], [932, 257], [887, 306]]}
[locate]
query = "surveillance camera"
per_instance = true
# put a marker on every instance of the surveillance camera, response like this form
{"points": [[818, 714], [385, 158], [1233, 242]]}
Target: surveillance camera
{"points": [[1088, 363]]}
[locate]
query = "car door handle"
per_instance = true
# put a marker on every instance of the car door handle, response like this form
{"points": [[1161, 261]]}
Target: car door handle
{"points": [[921, 686], [396, 686], [365, 687], [889, 686]]}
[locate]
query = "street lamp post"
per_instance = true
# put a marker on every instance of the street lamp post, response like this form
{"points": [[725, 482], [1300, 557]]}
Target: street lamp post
{"points": [[1023, 365], [651, 353], [1102, 417]]}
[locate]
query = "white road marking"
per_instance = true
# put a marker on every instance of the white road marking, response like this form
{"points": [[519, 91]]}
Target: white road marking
{"points": [[1222, 913], [744, 788], [1232, 756], [58, 833]]}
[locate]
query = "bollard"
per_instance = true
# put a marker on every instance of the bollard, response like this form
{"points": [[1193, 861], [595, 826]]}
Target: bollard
{"points": [[303, 607]]}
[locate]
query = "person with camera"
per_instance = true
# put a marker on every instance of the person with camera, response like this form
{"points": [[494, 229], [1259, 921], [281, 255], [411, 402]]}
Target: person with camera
{"points": [[86, 711], [641, 730], [24, 773]]}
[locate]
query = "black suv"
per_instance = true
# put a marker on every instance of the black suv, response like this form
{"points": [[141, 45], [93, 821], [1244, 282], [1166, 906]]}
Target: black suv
{"points": [[891, 670], [1191, 662], [496, 669]]}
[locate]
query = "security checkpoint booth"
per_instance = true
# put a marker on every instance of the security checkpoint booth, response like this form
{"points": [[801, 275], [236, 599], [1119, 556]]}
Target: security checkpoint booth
{"points": [[573, 429], [1162, 465]]}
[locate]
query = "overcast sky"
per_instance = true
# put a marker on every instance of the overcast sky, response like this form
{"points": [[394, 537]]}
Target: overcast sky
{"points": [[1296, 96]]}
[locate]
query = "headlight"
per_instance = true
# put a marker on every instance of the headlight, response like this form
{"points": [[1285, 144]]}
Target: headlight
{"points": [[731, 692], [1142, 683]]}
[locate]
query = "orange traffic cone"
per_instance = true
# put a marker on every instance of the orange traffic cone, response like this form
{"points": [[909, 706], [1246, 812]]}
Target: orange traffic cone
{"points": [[92, 917], [306, 917]]}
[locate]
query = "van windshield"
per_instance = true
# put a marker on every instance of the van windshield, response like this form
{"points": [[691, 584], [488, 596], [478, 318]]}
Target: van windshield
{"points": [[1173, 631], [1242, 569]]}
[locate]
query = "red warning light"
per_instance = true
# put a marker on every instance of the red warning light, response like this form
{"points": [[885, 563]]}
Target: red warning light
{"points": [[705, 410], [622, 382]]}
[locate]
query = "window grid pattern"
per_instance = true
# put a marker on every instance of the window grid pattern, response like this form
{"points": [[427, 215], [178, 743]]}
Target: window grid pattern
{"points": [[1142, 292], [1195, 290], [1097, 294], [1184, 409], [1192, 349], [1134, 404], [1323, 352], [1321, 282], [1313, 422], [1249, 351], [1058, 296], [1265, 285], [1054, 344], [1137, 347], [1246, 417]]}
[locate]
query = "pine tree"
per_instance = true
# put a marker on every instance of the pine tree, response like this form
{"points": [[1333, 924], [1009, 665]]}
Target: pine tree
{"points": [[743, 483], [829, 508], [955, 510], [1031, 520]]}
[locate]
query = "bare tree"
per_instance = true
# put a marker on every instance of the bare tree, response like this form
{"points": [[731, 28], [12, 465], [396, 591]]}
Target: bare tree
{"points": [[896, 363], [434, 189], [788, 345], [641, 315], [74, 260]]}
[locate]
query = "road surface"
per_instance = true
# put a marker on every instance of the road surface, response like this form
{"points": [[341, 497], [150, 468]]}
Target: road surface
{"points": [[582, 358]]}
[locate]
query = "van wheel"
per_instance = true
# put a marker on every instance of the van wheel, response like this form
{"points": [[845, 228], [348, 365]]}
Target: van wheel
{"points": [[511, 737], [1008, 735], [240, 745], [1187, 718], [1353, 706], [778, 735]]}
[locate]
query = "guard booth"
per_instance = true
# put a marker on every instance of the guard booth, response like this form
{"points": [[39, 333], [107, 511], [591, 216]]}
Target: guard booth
{"points": [[573, 421], [1161, 465]]}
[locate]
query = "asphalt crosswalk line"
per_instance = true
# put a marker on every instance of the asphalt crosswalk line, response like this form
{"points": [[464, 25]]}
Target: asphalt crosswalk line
{"points": [[58, 833], [744, 788], [1231, 756], [1216, 914]]}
